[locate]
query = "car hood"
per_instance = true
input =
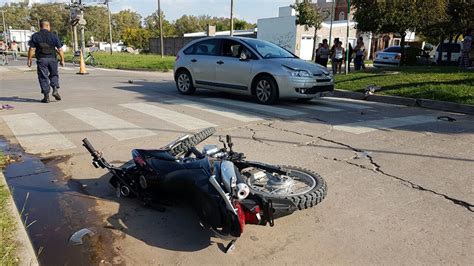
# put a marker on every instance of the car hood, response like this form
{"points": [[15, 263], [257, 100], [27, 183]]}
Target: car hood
{"points": [[299, 64]]}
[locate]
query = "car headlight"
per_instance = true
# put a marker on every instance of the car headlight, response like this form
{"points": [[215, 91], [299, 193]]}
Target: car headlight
{"points": [[299, 73]]}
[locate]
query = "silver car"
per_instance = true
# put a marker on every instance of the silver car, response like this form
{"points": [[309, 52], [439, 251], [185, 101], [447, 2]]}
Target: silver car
{"points": [[250, 67]]}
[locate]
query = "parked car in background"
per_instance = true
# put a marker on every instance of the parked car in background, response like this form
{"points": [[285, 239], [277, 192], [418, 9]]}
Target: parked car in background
{"points": [[389, 57], [250, 67]]}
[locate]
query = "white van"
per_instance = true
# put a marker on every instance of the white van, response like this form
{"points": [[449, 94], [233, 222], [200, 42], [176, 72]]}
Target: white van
{"points": [[455, 49]]}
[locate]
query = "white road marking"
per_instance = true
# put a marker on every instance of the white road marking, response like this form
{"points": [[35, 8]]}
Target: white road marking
{"points": [[318, 107], [113, 126], [35, 134], [258, 107], [67, 68], [388, 123], [173, 117], [26, 68], [3, 69], [335, 99], [222, 111], [342, 104]]}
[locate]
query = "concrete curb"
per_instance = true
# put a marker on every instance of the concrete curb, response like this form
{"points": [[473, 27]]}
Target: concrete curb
{"points": [[424, 103], [24, 249]]}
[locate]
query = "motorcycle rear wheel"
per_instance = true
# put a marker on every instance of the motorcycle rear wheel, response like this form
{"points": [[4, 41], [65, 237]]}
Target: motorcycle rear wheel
{"points": [[312, 187], [187, 144]]}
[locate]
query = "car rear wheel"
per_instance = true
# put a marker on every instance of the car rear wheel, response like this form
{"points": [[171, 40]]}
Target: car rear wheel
{"points": [[266, 90], [184, 83]]}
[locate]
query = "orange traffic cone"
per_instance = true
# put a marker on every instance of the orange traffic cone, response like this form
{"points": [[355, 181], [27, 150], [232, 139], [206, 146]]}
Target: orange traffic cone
{"points": [[82, 67]]}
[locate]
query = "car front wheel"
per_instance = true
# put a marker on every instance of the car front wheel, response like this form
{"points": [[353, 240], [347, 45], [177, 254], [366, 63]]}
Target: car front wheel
{"points": [[266, 90], [184, 83]]}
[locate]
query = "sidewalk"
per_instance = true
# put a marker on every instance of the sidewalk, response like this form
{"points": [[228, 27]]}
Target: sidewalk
{"points": [[24, 250]]}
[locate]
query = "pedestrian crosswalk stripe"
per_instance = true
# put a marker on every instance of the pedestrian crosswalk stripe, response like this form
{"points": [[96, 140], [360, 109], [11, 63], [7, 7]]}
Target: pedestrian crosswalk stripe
{"points": [[35, 134], [257, 107], [222, 111], [321, 108], [339, 104], [3, 69], [25, 68], [388, 123], [173, 117], [113, 126], [67, 68]]}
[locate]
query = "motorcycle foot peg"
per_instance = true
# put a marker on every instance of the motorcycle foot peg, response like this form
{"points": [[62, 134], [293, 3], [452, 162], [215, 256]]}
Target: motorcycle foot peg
{"points": [[230, 247]]}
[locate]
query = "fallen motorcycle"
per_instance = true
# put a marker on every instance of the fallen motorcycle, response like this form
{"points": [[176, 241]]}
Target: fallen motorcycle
{"points": [[225, 190]]}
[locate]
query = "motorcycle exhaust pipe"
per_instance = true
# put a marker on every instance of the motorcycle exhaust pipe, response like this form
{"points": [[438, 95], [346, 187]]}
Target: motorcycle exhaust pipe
{"points": [[243, 191]]}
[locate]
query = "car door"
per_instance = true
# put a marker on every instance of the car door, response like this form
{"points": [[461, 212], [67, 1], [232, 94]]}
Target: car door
{"points": [[202, 58], [232, 73]]}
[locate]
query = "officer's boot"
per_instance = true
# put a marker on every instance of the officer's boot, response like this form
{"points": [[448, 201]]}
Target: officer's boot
{"points": [[46, 98], [56, 94]]}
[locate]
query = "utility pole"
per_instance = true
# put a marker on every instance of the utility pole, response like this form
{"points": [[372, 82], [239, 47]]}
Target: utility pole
{"points": [[347, 36], [231, 17], [332, 19], [4, 24], [110, 24], [160, 18]]}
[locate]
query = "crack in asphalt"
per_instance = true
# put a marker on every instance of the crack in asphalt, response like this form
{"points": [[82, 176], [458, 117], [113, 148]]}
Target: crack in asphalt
{"points": [[254, 137], [377, 168]]}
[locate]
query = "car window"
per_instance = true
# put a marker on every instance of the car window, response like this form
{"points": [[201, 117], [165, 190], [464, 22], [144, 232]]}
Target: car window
{"points": [[207, 47], [231, 48], [268, 49], [393, 49]]}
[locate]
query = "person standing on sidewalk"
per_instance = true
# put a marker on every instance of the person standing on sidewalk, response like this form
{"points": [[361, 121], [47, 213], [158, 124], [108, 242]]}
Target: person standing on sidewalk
{"points": [[324, 53], [46, 46], [14, 49], [466, 50], [3, 52]]}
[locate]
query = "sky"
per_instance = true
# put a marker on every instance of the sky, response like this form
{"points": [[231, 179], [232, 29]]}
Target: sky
{"points": [[250, 10]]}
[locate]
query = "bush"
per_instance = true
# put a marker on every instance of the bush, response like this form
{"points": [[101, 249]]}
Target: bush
{"points": [[411, 54]]}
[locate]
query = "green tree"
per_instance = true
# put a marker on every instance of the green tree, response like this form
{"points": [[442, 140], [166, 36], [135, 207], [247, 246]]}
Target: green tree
{"points": [[97, 23], [17, 16], [397, 16], [152, 24], [56, 14], [137, 37], [123, 20], [310, 16], [457, 19]]}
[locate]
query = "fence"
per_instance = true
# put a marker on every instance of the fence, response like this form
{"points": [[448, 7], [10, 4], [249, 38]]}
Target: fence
{"points": [[172, 45]]}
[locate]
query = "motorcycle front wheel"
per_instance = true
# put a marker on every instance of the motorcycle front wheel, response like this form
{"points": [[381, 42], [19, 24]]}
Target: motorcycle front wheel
{"points": [[304, 187]]}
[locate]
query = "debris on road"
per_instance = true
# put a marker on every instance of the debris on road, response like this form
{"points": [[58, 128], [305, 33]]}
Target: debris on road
{"points": [[76, 238]]}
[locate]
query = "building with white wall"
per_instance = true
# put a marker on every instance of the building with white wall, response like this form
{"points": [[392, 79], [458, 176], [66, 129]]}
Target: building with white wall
{"points": [[282, 30]]}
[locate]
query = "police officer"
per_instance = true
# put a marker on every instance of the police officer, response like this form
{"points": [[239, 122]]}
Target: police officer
{"points": [[46, 45]]}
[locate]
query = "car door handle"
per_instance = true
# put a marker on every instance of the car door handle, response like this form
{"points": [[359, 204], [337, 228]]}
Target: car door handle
{"points": [[194, 60], [220, 62]]}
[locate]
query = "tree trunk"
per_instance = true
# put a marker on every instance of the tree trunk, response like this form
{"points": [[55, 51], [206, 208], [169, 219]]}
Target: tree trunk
{"points": [[449, 49], [315, 43], [402, 45], [440, 51]]}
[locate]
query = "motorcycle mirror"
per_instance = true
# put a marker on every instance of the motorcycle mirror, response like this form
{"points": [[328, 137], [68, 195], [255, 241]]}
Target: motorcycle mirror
{"points": [[223, 142], [229, 142]]}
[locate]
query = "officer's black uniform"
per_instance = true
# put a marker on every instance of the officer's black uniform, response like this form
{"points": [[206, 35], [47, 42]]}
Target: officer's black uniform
{"points": [[45, 44]]}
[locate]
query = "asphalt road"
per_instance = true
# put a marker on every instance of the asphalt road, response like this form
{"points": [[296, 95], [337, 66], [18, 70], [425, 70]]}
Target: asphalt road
{"points": [[400, 180]]}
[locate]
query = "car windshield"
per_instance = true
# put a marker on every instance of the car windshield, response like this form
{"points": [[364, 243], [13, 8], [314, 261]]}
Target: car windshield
{"points": [[268, 50]]}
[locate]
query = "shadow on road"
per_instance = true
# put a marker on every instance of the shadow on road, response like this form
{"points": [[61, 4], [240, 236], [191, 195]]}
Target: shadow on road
{"points": [[176, 228]]}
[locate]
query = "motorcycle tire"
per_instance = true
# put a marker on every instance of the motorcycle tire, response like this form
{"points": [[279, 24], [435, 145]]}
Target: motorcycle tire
{"points": [[302, 201], [187, 144]]}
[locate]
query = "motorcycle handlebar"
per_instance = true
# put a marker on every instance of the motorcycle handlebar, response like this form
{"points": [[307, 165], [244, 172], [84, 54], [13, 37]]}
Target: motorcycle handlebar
{"points": [[89, 146]]}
